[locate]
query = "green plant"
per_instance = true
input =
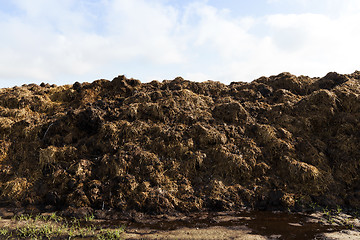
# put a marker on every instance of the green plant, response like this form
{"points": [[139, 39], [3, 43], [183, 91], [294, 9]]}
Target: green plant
{"points": [[314, 206], [55, 217], [83, 232], [91, 229], [338, 209], [44, 227], [31, 231], [38, 218], [89, 218], [73, 223], [71, 233], [4, 231], [348, 224], [110, 234], [28, 231]]}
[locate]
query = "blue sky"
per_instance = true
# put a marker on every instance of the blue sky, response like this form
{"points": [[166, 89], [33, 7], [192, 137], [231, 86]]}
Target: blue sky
{"points": [[224, 40]]}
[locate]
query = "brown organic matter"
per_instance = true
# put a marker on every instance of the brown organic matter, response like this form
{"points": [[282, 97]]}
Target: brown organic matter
{"points": [[278, 142]]}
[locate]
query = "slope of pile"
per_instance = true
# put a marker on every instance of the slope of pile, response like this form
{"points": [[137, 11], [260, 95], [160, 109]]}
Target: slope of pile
{"points": [[281, 141]]}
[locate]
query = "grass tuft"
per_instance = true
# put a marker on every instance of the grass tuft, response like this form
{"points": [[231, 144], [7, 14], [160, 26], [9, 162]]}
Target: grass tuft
{"points": [[57, 227]]}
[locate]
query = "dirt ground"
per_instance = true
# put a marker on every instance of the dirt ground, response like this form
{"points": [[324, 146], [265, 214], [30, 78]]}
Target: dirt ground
{"points": [[343, 235], [221, 225], [239, 233], [250, 225]]}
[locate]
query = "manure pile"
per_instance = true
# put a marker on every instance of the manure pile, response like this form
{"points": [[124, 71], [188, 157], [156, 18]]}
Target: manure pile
{"points": [[281, 142]]}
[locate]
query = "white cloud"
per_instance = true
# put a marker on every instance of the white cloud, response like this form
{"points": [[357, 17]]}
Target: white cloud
{"points": [[316, 41], [51, 40], [228, 37], [309, 44], [197, 76], [144, 27], [80, 40]]}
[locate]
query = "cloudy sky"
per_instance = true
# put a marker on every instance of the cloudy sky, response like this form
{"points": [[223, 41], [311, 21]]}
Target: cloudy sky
{"points": [[225, 40]]}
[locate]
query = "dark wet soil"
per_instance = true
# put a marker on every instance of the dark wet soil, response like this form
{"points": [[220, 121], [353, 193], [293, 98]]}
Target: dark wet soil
{"points": [[273, 225], [268, 224], [288, 226]]}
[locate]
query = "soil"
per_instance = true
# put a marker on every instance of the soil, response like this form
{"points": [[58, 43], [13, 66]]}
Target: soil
{"points": [[278, 142], [237, 233], [245, 224]]}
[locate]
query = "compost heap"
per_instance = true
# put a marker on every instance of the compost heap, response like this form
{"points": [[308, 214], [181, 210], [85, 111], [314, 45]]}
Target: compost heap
{"points": [[283, 141]]}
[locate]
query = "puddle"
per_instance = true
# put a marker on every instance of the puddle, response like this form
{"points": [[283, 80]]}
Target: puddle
{"points": [[287, 226], [274, 225]]}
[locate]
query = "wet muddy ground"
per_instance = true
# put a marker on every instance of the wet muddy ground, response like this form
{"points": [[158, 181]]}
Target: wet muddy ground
{"points": [[245, 225], [220, 225]]}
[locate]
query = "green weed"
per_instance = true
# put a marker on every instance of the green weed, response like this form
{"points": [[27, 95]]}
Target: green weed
{"points": [[338, 209], [89, 218], [110, 234], [55, 218], [55, 227], [4, 231]]}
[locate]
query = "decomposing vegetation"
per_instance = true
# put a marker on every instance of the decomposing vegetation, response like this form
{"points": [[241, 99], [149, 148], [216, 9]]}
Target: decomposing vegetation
{"points": [[278, 142]]}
